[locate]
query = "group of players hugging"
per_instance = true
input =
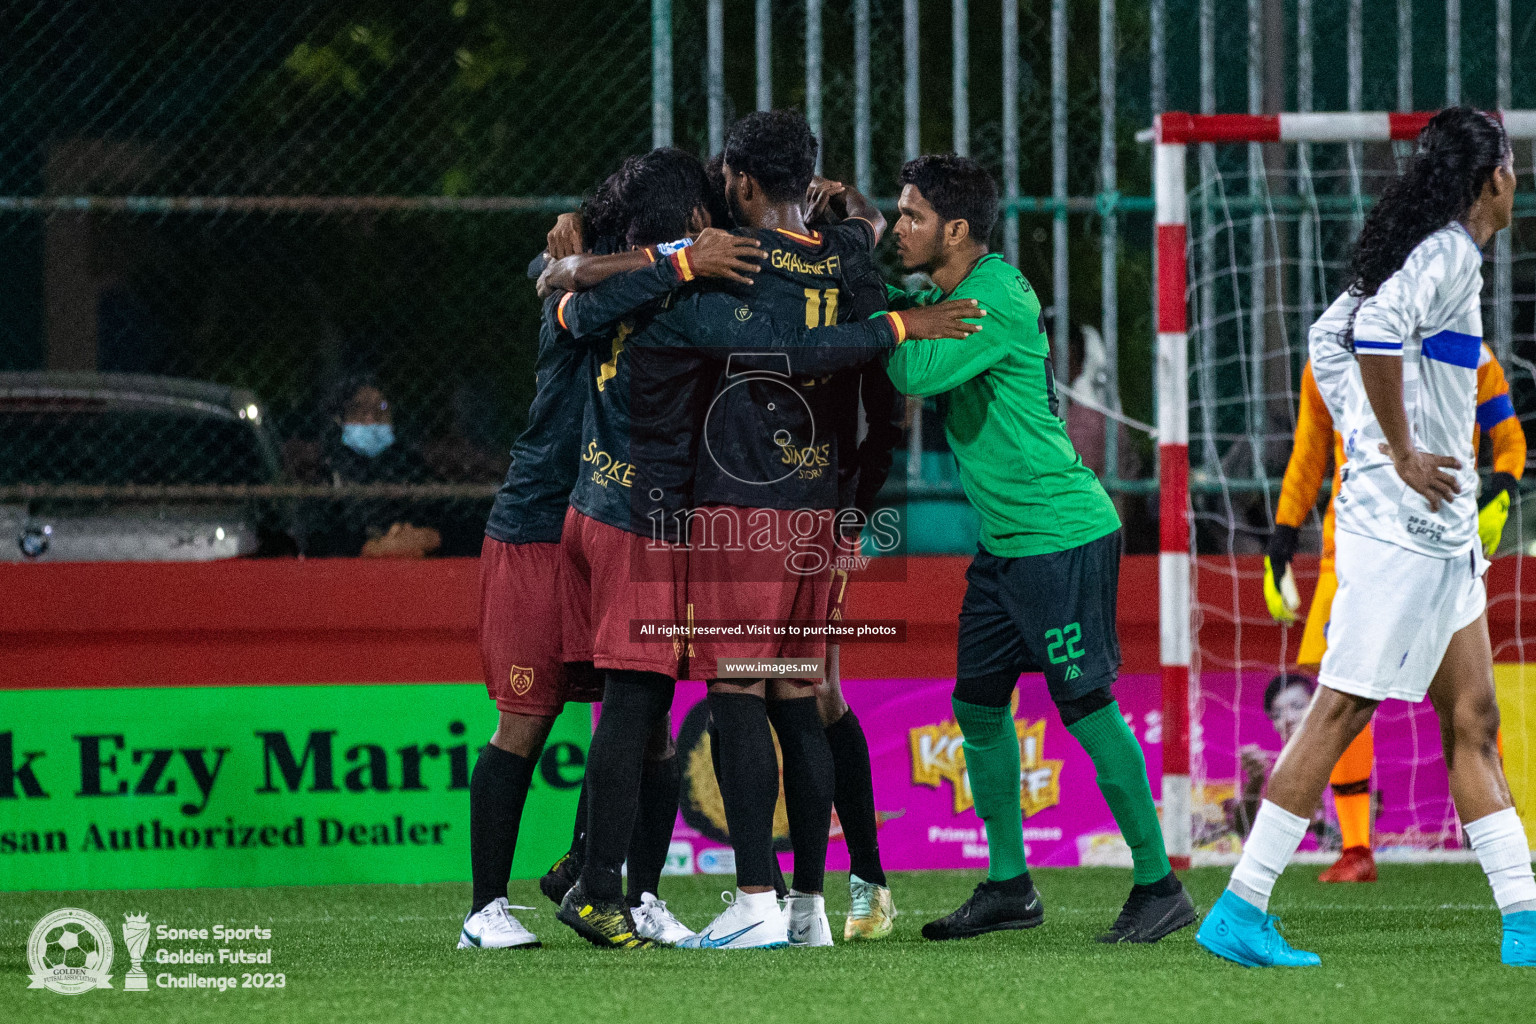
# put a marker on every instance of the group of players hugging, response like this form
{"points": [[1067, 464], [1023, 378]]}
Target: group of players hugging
{"points": [[719, 375]]}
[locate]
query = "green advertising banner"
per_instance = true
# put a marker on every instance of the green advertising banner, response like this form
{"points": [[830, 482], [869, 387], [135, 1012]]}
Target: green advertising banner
{"points": [[260, 785]]}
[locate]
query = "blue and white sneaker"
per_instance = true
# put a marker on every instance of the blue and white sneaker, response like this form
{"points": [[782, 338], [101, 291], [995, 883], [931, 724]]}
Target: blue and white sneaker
{"points": [[1237, 930], [750, 921], [494, 927], [1519, 948]]}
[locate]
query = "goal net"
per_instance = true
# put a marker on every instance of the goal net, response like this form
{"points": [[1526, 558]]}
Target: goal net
{"points": [[1256, 217]]}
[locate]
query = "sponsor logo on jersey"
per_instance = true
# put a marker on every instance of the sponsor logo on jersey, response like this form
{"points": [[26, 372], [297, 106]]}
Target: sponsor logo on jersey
{"points": [[606, 468]]}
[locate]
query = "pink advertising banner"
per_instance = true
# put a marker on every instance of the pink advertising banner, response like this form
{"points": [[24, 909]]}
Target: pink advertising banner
{"points": [[923, 799]]}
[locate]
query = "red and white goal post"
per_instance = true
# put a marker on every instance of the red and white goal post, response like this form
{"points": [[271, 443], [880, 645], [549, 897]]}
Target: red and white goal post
{"points": [[1241, 269]]}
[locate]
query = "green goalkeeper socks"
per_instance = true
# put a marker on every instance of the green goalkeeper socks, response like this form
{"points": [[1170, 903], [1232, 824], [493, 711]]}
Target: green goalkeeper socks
{"points": [[1122, 778], [992, 762]]}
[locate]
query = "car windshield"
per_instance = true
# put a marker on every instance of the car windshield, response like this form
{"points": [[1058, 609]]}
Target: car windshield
{"points": [[44, 443]]}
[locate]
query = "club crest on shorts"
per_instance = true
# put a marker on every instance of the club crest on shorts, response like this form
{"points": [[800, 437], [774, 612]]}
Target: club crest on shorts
{"points": [[522, 680]]}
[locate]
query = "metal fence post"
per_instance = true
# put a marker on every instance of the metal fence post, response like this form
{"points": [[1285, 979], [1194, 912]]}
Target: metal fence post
{"points": [[764, 55], [1452, 52], [1061, 281], [661, 73], [1503, 268], [813, 73], [1109, 229], [1257, 290], [1402, 150], [715, 73], [911, 134], [1306, 293], [862, 172], [961, 84], [911, 148], [1207, 249], [1355, 66], [1011, 130]]}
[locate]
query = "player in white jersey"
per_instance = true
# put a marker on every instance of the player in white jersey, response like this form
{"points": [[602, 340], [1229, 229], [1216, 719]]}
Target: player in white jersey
{"points": [[1396, 361]]}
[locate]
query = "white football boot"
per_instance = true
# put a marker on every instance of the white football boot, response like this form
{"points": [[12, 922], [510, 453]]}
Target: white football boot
{"points": [[494, 927], [807, 920], [654, 921], [750, 921]]}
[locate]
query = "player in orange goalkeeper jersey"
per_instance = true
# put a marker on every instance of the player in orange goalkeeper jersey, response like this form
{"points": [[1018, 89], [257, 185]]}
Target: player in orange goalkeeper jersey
{"points": [[1315, 440]]}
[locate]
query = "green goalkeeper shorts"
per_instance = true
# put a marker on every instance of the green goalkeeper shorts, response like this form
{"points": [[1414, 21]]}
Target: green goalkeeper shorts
{"points": [[1051, 613]]}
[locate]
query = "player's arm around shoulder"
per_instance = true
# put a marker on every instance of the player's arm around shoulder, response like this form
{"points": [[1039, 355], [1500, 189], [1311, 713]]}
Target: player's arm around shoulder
{"points": [[716, 255], [933, 366]]}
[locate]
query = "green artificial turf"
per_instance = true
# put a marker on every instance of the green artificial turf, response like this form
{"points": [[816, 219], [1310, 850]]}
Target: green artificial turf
{"points": [[1420, 945]]}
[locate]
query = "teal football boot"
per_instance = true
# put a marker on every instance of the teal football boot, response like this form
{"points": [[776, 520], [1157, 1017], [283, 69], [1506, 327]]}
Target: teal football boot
{"points": [[1237, 930], [1519, 949]]}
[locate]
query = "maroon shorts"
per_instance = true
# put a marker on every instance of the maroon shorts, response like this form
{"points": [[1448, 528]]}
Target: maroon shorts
{"points": [[757, 567], [837, 589], [520, 613], [614, 581]]}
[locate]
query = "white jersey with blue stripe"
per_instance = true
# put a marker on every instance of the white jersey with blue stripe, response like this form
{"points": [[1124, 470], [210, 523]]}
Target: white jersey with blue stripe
{"points": [[1428, 313]]}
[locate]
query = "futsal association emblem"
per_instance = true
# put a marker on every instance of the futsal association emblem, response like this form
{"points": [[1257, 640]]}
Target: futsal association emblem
{"points": [[522, 680], [70, 951]]}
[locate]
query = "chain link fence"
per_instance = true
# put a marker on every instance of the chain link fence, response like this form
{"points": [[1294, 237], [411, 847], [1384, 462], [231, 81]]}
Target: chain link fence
{"points": [[295, 201], [221, 225]]}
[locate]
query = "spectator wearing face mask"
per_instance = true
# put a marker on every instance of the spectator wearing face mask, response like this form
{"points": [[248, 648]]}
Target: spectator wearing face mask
{"points": [[360, 447]]}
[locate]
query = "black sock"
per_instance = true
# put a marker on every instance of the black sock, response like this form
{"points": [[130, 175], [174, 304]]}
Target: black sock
{"points": [[579, 823], [807, 786], [854, 796], [1165, 886], [749, 782], [1018, 885], [579, 826], [659, 785], [780, 887], [498, 787], [632, 704]]}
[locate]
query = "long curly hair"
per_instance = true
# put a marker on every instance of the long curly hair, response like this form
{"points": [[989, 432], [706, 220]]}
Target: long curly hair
{"points": [[602, 213], [1458, 152]]}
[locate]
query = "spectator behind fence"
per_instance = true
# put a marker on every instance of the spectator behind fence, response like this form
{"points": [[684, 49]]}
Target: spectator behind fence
{"points": [[360, 447]]}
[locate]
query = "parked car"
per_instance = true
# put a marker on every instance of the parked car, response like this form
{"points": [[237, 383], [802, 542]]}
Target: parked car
{"points": [[69, 432]]}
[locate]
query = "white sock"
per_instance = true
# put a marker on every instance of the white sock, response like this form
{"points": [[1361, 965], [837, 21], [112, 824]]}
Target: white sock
{"points": [[1268, 849], [758, 902], [1499, 842]]}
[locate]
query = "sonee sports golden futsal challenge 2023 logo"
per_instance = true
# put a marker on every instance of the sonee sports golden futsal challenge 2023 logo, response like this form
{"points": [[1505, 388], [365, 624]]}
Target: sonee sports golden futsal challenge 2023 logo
{"points": [[70, 952]]}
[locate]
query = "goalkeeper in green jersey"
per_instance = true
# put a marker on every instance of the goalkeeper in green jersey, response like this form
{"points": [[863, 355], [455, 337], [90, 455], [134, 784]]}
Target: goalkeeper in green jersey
{"points": [[1040, 594]]}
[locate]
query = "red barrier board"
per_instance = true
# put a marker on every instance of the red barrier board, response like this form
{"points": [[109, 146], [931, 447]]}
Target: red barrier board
{"points": [[357, 620]]}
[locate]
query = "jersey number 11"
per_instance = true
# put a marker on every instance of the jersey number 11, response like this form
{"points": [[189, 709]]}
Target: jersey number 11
{"points": [[820, 307]]}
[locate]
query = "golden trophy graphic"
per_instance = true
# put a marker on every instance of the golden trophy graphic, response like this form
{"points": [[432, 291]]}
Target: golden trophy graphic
{"points": [[136, 936]]}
